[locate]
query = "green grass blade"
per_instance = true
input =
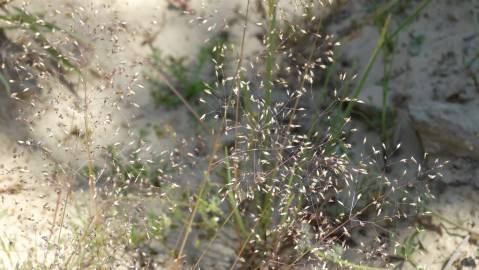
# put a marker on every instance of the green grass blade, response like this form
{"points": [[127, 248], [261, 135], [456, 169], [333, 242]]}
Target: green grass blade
{"points": [[231, 198], [271, 47], [5, 83], [384, 37], [372, 60], [409, 18]]}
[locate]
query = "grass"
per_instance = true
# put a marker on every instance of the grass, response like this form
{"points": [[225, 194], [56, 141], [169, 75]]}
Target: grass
{"points": [[232, 198], [289, 198], [409, 246], [271, 43], [49, 56], [273, 205], [384, 44], [188, 78]]}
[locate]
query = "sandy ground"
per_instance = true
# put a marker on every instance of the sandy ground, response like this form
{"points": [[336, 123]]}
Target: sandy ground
{"points": [[32, 197]]}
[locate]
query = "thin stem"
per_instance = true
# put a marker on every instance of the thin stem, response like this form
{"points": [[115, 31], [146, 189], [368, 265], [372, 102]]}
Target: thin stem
{"points": [[88, 134], [380, 43], [271, 47], [344, 263], [205, 250], [372, 60], [182, 99], [187, 229], [231, 198]]}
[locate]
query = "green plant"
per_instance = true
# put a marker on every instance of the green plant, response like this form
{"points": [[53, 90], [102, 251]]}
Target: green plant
{"points": [[408, 247], [360, 85], [271, 41], [189, 78], [385, 44], [279, 178], [293, 194]]}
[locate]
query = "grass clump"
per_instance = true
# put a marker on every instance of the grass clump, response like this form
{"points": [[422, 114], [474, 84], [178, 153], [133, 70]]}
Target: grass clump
{"points": [[276, 175], [290, 199]]}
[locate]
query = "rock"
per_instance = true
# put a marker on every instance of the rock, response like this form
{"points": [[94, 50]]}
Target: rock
{"points": [[448, 85], [460, 171], [454, 90], [468, 262], [447, 128]]}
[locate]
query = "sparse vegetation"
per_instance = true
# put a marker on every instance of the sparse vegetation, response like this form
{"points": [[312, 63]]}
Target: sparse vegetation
{"points": [[270, 175], [39, 54], [191, 79]]}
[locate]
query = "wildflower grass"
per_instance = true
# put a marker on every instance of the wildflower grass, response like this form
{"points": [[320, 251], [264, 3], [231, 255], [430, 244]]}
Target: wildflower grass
{"points": [[268, 166]]}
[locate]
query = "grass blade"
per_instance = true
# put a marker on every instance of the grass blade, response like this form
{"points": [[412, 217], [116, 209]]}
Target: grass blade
{"points": [[5, 83], [231, 198]]}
